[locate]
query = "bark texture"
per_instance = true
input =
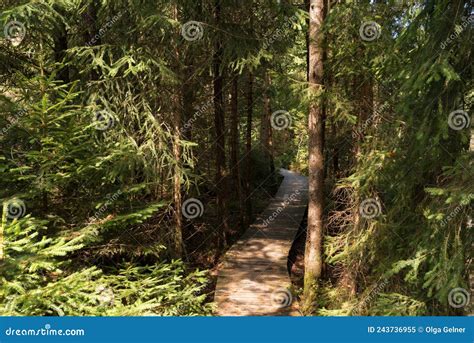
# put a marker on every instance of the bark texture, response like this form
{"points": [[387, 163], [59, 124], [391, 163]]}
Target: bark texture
{"points": [[313, 253]]}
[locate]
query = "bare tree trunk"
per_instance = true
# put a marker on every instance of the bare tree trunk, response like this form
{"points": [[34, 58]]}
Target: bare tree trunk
{"points": [[219, 123], [89, 19], [235, 146], [313, 252], [306, 5], [187, 91], [178, 245], [248, 149], [234, 133], [189, 86], [266, 129], [60, 48], [335, 153]]}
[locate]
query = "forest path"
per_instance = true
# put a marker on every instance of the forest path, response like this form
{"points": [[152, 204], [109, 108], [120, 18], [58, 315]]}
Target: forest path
{"points": [[254, 278]]}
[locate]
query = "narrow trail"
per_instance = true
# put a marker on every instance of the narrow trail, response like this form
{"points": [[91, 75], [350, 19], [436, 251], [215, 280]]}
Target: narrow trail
{"points": [[254, 278]]}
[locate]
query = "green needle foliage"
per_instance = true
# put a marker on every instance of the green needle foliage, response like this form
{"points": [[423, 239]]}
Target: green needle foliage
{"points": [[86, 161], [111, 117], [409, 159]]}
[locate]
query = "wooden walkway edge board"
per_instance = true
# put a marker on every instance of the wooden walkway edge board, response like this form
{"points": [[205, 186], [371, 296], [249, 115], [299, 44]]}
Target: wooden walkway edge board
{"points": [[253, 279]]}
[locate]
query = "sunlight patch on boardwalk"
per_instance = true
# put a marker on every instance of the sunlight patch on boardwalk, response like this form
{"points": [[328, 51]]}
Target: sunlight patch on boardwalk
{"points": [[254, 279]]}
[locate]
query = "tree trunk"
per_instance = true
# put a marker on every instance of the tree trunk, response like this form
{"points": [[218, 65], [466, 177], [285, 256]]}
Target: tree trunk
{"points": [[248, 149], [313, 253], [219, 125], [335, 153], [235, 146], [60, 48], [178, 245], [266, 129], [187, 91], [306, 5], [189, 85], [89, 18]]}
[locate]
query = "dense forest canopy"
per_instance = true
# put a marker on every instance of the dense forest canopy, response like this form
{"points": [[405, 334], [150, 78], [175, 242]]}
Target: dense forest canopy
{"points": [[139, 139]]}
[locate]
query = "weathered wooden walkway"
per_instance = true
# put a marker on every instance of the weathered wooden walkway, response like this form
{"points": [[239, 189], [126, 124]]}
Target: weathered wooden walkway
{"points": [[254, 279]]}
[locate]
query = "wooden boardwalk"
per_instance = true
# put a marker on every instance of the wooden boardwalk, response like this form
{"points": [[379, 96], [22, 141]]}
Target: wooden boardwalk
{"points": [[253, 279]]}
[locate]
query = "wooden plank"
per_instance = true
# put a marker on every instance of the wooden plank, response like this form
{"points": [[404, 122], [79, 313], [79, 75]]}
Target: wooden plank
{"points": [[253, 279]]}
